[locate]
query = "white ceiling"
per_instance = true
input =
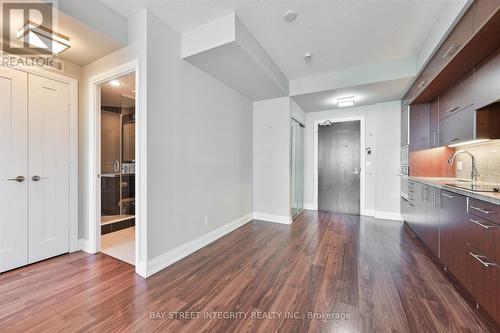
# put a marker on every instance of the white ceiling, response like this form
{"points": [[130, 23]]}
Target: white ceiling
{"points": [[366, 94], [340, 33], [87, 44]]}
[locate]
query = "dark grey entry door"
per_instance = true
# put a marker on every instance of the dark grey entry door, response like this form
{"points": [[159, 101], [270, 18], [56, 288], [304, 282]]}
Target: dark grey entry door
{"points": [[339, 167]]}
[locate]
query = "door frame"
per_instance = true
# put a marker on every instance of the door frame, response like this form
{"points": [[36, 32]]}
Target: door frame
{"points": [[361, 119], [73, 146], [94, 145]]}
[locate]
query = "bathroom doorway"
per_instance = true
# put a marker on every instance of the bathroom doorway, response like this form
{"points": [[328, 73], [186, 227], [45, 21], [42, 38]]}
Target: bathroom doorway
{"points": [[117, 119]]}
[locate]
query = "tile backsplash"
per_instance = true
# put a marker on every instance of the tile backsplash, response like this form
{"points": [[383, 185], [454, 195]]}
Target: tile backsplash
{"points": [[488, 161]]}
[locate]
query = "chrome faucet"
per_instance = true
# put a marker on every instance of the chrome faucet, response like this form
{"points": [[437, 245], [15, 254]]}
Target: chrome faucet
{"points": [[474, 174]]}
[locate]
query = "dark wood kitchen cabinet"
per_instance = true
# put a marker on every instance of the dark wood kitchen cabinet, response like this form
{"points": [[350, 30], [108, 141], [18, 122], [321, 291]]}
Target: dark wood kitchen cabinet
{"points": [[458, 127], [405, 127], [420, 122], [453, 242], [432, 197], [483, 10], [457, 98], [485, 282], [434, 124], [487, 81]]}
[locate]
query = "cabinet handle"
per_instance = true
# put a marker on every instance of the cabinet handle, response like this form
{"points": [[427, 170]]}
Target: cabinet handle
{"points": [[449, 196], [453, 109], [451, 51], [484, 211], [454, 139], [18, 179], [485, 226], [484, 263], [421, 84]]}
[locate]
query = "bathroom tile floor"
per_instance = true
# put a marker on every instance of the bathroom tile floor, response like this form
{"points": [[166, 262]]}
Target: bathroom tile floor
{"points": [[120, 245]]}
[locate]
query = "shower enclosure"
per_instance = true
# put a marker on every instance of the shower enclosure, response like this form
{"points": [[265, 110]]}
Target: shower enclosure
{"points": [[118, 166], [296, 168]]}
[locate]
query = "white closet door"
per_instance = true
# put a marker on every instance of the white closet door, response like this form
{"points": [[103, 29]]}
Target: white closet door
{"points": [[13, 163], [48, 124]]}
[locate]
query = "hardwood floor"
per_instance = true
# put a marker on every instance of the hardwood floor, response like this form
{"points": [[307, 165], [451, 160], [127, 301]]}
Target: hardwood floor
{"points": [[371, 271]]}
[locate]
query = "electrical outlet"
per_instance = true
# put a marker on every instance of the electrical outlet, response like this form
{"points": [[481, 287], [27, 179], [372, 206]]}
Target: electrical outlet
{"points": [[460, 166], [207, 220]]}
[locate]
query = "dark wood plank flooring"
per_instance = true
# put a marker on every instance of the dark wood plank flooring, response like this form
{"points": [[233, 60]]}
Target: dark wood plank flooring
{"points": [[371, 271]]}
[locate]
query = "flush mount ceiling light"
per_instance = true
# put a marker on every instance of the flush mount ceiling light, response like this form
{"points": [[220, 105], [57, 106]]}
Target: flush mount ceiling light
{"points": [[290, 15], [115, 83], [468, 143], [43, 38], [343, 102], [308, 56]]}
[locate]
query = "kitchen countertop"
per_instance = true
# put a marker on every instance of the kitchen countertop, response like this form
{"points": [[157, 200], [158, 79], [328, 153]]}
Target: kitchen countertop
{"points": [[439, 182]]}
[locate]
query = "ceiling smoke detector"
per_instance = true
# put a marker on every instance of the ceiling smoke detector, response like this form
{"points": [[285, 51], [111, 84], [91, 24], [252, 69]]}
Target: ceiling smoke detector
{"points": [[308, 56], [290, 15]]}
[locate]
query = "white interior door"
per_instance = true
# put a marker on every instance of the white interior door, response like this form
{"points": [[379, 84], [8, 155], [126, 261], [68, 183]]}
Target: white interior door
{"points": [[48, 160], [13, 164]]}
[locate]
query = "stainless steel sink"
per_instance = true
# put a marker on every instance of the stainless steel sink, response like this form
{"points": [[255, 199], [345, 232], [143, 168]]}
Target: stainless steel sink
{"points": [[475, 187]]}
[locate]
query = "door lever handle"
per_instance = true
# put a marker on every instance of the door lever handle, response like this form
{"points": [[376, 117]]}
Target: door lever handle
{"points": [[18, 179], [37, 178]]}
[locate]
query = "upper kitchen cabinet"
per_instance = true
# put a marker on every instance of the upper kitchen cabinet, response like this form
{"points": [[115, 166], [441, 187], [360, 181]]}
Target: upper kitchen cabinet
{"points": [[405, 130], [434, 124], [483, 10], [457, 98], [420, 127], [474, 38], [487, 81]]}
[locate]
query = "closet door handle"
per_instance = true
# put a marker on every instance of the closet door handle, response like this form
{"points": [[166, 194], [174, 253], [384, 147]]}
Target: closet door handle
{"points": [[37, 178], [18, 179]]}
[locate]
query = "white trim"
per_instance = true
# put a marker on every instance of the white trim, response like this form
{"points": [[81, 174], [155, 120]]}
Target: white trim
{"points": [[84, 245], [362, 163], [74, 244], [388, 216], [283, 219], [369, 212], [141, 162], [310, 207], [161, 262]]}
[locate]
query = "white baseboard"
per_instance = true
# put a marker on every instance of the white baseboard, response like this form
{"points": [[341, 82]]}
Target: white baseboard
{"points": [[388, 216], [369, 212], [157, 264], [310, 207], [84, 245], [272, 218]]}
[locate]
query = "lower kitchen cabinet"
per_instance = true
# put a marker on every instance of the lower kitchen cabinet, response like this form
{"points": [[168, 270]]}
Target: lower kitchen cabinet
{"points": [[464, 233], [432, 198], [453, 233], [484, 282]]}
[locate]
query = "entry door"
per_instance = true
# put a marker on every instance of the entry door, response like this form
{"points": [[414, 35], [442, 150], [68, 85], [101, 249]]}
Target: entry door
{"points": [[339, 167], [13, 169], [48, 204]]}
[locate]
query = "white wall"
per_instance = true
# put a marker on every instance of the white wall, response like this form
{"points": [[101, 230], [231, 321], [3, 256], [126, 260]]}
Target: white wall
{"points": [[199, 146], [382, 134], [271, 171], [135, 49]]}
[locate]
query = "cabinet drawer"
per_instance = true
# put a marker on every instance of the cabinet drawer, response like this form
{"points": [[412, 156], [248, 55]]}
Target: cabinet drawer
{"points": [[458, 127], [484, 236], [486, 210], [484, 282], [457, 98]]}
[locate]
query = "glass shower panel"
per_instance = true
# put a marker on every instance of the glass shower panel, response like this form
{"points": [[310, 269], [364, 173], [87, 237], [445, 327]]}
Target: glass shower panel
{"points": [[296, 168]]}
